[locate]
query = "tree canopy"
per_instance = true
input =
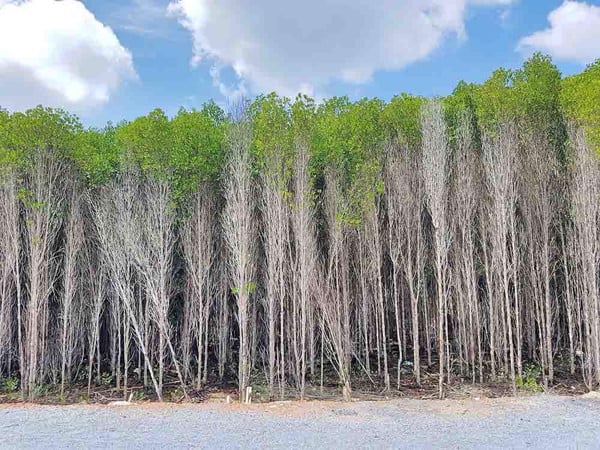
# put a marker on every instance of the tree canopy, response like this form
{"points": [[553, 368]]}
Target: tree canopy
{"points": [[343, 135]]}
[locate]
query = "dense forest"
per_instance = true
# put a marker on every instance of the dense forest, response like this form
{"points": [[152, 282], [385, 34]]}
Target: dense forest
{"points": [[283, 242]]}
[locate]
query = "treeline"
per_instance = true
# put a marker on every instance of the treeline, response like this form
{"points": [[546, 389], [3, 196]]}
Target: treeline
{"points": [[287, 239]]}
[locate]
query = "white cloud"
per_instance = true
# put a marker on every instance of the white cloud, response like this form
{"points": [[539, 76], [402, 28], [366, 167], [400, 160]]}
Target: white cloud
{"points": [[301, 46], [143, 17], [574, 33], [57, 53]]}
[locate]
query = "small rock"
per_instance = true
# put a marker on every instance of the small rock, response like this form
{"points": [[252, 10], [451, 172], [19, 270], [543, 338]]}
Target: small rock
{"points": [[344, 412]]}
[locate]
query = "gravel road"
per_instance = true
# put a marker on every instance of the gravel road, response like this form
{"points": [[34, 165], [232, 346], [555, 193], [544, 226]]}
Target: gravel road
{"points": [[528, 422]]}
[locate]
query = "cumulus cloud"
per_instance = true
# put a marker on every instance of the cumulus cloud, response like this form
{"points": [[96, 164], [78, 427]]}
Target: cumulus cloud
{"points": [[57, 53], [300, 46], [573, 34]]}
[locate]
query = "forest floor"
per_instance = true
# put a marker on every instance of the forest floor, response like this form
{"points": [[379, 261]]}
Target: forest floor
{"points": [[532, 421], [363, 389]]}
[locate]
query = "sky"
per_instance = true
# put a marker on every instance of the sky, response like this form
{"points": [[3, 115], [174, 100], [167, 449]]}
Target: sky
{"points": [[107, 60]]}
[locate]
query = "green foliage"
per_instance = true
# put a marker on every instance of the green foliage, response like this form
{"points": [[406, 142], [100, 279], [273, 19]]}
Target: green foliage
{"points": [[139, 395], [43, 390], [537, 89], [530, 96], [197, 146], [4, 118], [329, 134], [494, 100], [146, 141], [247, 289], [5, 156], [303, 114], [362, 194], [9, 384], [537, 86], [106, 378], [401, 118], [344, 137], [270, 117], [22, 134], [185, 150], [529, 380], [272, 136], [580, 99], [349, 140], [97, 154], [459, 105]]}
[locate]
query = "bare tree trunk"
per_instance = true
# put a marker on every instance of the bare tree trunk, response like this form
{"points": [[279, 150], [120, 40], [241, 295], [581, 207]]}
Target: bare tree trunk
{"points": [[305, 255], [585, 207], [10, 267], [153, 258], [199, 253], [540, 209], [239, 233], [466, 202], [334, 303], [73, 246], [499, 162], [276, 235], [42, 207], [435, 156], [374, 245], [115, 217]]}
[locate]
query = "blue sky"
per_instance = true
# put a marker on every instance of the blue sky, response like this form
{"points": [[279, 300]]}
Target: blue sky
{"points": [[167, 54]]}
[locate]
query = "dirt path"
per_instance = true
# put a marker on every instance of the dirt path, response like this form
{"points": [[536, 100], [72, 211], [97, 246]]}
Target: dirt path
{"points": [[530, 422]]}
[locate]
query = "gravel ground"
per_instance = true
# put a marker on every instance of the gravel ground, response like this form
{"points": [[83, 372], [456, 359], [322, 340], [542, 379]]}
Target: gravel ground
{"points": [[528, 422]]}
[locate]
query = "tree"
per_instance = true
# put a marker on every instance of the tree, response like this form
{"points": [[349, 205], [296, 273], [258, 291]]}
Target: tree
{"points": [[404, 201], [117, 228], [435, 157], [239, 233], [43, 198], [500, 162], [199, 252], [585, 192], [402, 119], [292, 237], [465, 204], [70, 301]]}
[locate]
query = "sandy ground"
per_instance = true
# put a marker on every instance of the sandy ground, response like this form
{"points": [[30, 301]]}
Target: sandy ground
{"points": [[540, 421]]}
